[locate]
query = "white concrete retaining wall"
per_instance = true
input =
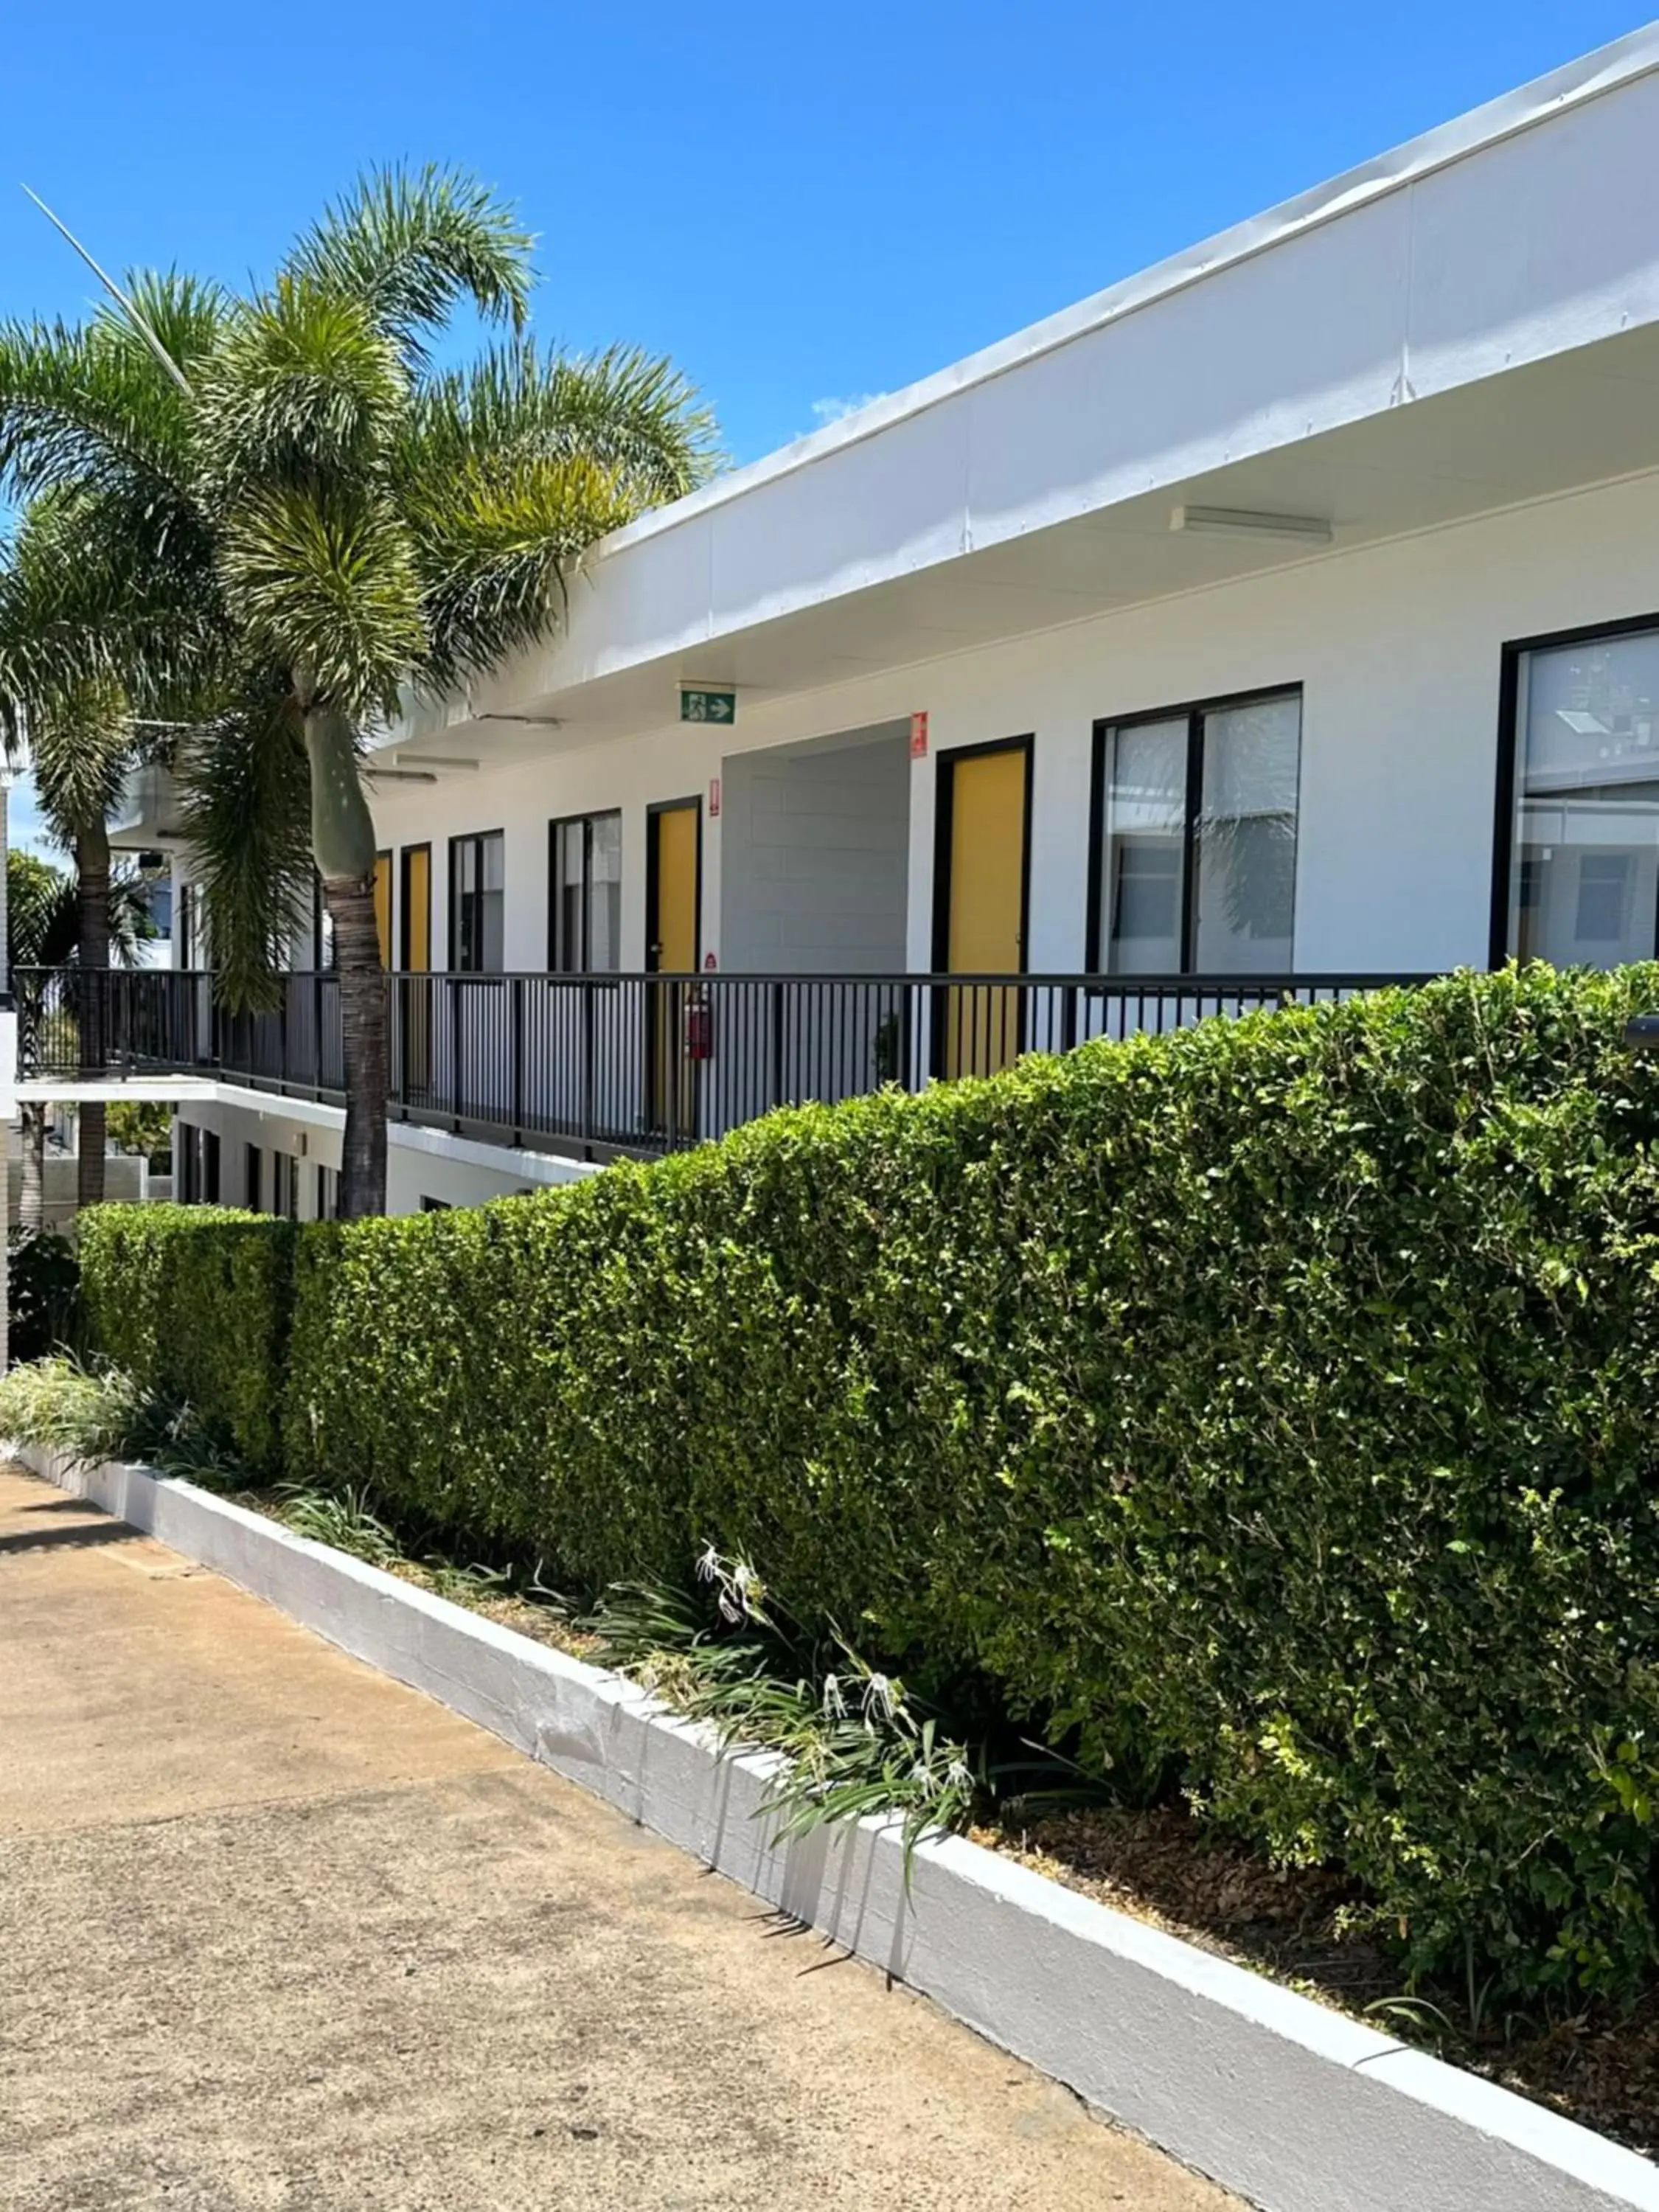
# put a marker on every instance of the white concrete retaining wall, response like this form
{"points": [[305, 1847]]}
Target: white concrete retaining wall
{"points": [[1297, 2108]]}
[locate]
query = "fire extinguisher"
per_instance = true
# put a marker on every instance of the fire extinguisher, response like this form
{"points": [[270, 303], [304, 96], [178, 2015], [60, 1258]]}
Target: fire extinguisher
{"points": [[699, 1027]]}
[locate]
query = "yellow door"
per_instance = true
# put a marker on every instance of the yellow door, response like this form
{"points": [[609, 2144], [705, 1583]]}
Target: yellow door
{"points": [[672, 949], [417, 908], [383, 905], [416, 1009], [986, 914]]}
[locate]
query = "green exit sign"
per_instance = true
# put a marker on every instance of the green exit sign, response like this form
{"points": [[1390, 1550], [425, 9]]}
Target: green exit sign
{"points": [[709, 706]]}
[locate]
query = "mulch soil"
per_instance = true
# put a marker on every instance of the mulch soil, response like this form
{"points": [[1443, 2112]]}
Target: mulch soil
{"points": [[1599, 2066]]}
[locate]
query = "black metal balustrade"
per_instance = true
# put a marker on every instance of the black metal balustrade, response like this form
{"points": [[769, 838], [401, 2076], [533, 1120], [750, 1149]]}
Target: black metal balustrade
{"points": [[599, 1066]]}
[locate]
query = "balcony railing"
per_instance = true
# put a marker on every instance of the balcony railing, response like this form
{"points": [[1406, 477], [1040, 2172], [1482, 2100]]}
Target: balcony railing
{"points": [[599, 1066]]}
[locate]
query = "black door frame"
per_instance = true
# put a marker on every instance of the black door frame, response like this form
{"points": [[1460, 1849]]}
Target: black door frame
{"points": [[661, 806], [664, 1003], [944, 825], [945, 783]]}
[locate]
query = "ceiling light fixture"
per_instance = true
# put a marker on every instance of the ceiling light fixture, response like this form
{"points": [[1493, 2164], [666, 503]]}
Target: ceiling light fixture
{"points": [[1250, 522]]}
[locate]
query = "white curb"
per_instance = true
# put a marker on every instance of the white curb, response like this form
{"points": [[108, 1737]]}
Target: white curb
{"points": [[1296, 2108]]}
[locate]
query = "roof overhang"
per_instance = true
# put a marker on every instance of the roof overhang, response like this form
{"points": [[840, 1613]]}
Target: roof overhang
{"points": [[1468, 323]]}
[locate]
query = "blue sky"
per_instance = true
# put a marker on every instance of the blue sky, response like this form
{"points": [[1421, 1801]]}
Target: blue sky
{"points": [[803, 206]]}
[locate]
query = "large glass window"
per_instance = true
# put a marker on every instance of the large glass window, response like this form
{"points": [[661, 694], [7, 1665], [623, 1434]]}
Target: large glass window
{"points": [[585, 925], [1585, 861], [477, 877], [1198, 822]]}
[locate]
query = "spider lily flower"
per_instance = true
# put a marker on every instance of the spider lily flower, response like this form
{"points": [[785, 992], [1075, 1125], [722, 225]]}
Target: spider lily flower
{"points": [[878, 1697]]}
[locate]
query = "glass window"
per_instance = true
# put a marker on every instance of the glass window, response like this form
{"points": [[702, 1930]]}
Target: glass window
{"points": [[1584, 869], [477, 920], [1198, 870], [587, 916], [1146, 848], [192, 927], [1245, 840]]}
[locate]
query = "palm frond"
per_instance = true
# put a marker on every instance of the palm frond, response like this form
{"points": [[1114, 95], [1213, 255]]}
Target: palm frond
{"points": [[43, 915], [495, 546], [42, 912], [82, 748], [411, 246], [303, 387], [323, 582], [86, 407], [186, 314], [91, 590], [245, 803], [632, 411]]}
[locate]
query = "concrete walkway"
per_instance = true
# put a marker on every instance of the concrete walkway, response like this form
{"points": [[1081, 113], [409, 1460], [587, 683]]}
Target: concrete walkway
{"points": [[277, 1933]]}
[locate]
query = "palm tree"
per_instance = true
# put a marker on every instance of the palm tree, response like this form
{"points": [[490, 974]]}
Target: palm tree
{"points": [[44, 915], [81, 743], [294, 522], [42, 911]]}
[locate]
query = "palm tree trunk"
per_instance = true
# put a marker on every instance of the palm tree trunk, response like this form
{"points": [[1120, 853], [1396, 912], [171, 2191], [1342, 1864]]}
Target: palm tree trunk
{"points": [[31, 1203], [363, 1031], [342, 842], [92, 864]]}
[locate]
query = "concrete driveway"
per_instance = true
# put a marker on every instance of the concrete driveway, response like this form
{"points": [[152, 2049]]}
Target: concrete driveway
{"points": [[278, 1933]]}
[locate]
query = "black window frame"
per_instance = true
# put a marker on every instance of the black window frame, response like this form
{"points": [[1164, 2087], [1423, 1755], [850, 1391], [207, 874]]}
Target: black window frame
{"points": [[253, 1178], [1515, 651], [209, 1165], [478, 839], [1097, 934], [557, 964], [188, 926]]}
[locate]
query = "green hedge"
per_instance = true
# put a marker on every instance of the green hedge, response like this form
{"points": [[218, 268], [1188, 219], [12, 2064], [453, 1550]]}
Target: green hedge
{"points": [[194, 1302], [1271, 1404]]}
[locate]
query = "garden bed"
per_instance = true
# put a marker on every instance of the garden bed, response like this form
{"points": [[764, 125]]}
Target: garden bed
{"points": [[1286, 2100], [1599, 2066]]}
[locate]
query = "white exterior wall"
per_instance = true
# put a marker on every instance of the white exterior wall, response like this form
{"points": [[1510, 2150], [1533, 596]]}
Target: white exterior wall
{"points": [[815, 859], [1397, 647], [419, 1163], [127, 1179]]}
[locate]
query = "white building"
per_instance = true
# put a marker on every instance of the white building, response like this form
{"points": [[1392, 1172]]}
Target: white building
{"points": [[1291, 611]]}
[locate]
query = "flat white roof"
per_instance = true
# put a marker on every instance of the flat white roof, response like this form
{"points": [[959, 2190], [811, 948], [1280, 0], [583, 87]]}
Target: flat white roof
{"points": [[1333, 356], [1623, 62]]}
